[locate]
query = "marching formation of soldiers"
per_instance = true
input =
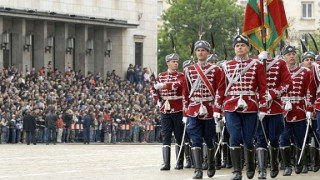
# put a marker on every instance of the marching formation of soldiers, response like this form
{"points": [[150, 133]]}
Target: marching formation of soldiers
{"points": [[252, 111]]}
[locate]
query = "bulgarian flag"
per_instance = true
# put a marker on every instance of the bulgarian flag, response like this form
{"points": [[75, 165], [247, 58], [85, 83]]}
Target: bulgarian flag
{"points": [[266, 29]]}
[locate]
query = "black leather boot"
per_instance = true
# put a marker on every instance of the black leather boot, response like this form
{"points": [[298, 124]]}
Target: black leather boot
{"points": [[298, 167], [316, 163], [262, 158], [211, 163], [243, 157], [196, 153], [250, 162], [224, 149], [166, 157], [235, 153], [285, 156], [305, 159], [229, 161], [187, 155], [274, 163], [179, 164], [205, 156]]}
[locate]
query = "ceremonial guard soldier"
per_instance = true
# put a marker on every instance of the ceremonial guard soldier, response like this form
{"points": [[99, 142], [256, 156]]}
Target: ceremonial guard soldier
{"points": [[271, 126], [314, 99], [295, 112], [241, 94], [201, 82], [211, 59], [167, 92]]}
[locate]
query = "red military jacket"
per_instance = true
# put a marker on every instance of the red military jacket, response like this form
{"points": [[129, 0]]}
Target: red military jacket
{"points": [[172, 94], [251, 85], [196, 94], [278, 82], [314, 88], [297, 96]]}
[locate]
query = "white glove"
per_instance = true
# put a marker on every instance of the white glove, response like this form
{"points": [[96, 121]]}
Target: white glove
{"points": [[184, 120], [223, 120], [309, 115], [158, 86], [159, 104], [216, 115], [263, 55], [261, 115], [269, 97]]}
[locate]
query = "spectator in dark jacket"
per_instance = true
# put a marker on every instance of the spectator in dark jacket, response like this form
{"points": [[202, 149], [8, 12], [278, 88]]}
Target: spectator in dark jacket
{"points": [[87, 121], [51, 125], [67, 120], [29, 125]]}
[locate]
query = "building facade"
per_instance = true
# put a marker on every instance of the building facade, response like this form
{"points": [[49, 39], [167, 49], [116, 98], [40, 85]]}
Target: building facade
{"points": [[95, 36]]}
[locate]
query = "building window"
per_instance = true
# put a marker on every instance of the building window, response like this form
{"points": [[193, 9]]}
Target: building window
{"points": [[307, 10], [160, 9], [138, 53], [243, 3]]}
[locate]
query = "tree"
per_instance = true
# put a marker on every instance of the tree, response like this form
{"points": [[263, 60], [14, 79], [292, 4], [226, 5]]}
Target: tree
{"points": [[183, 18]]}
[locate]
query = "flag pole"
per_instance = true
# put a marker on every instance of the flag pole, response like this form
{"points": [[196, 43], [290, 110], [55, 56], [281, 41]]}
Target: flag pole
{"points": [[263, 30]]}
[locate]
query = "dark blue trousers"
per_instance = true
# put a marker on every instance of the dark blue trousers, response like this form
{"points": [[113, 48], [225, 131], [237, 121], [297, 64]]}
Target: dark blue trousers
{"points": [[201, 129], [296, 130], [312, 129], [273, 126], [171, 122], [317, 125], [242, 128]]}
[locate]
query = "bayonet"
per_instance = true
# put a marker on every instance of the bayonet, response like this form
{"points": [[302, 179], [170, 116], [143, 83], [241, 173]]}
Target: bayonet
{"points": [[212, 44], [172, 42], [306, 41], [225, 52], [304, 48], [200, 33]]}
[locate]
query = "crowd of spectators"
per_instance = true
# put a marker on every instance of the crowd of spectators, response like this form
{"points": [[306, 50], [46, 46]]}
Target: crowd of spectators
{"points": [[122, 110]]}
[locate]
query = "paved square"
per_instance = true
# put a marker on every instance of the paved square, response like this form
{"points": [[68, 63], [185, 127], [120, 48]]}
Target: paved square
{"points": [[96, 161]]}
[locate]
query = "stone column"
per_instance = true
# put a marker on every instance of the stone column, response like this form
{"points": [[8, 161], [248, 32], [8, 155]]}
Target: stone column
{"points": [[81, 62], [61, 35], [20, 57], [40, 37], [1, 50], [100, 39], [116, 60]]}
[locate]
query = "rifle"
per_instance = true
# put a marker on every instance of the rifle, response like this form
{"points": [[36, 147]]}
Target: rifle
{"points": [[225, 52], [314, 43], [155, 82], [212, 44]]}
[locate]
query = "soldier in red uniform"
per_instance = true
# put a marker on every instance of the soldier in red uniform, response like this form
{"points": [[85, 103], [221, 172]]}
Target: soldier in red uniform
{"points": [[295, 112], [278, 82], [201, 82], [314, 99], [167, 93], [308, 59], [241, 93]]}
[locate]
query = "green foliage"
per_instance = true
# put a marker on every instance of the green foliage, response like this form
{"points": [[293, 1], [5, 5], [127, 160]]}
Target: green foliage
{"points": [[183, 19]]}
